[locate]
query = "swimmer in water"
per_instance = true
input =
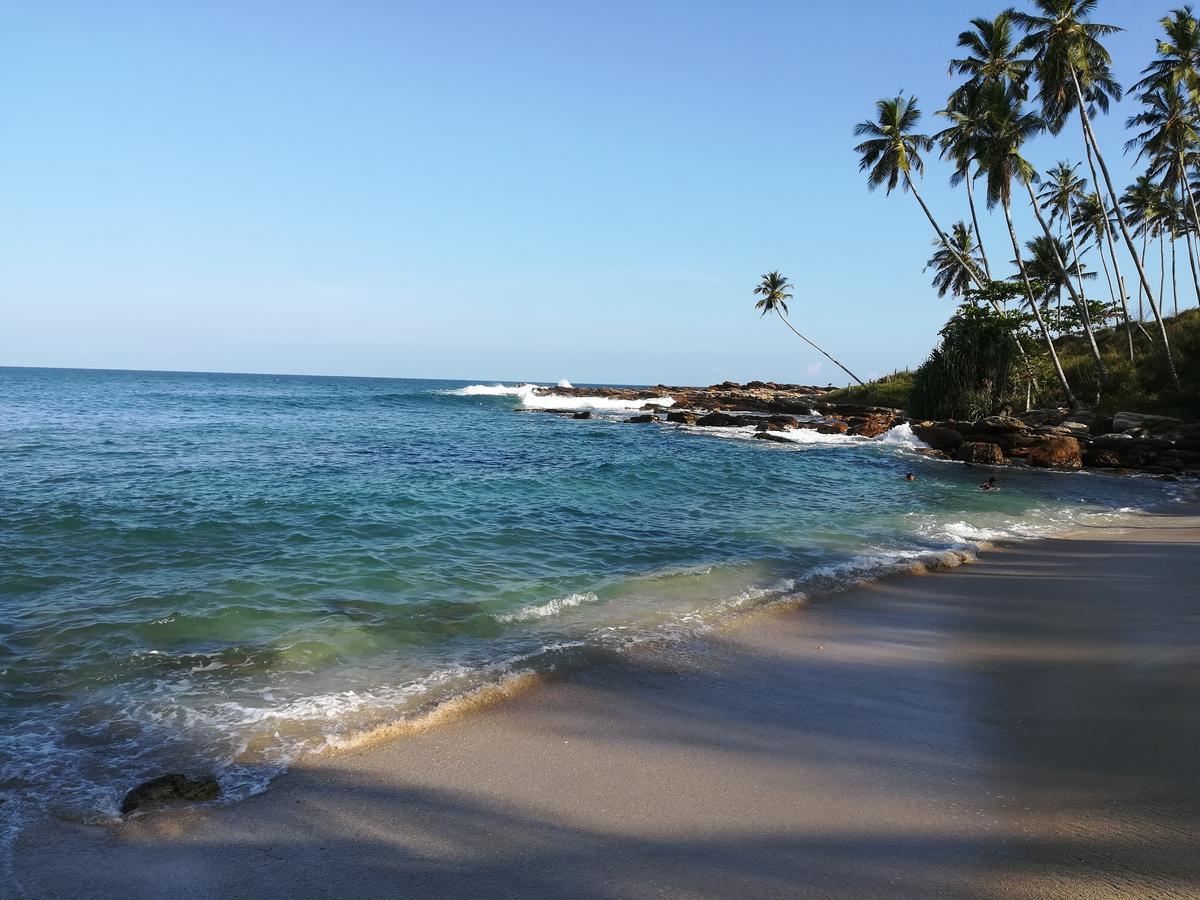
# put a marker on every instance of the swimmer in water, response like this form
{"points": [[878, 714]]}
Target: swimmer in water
{"points": [[909, 476], [990, 485]]}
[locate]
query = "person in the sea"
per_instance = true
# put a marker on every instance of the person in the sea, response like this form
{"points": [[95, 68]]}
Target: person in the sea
{"points": [[909, 476], [990, 485]]}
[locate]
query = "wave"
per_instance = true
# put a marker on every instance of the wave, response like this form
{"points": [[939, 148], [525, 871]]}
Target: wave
{"points": [[546, 610], [530, 398]]}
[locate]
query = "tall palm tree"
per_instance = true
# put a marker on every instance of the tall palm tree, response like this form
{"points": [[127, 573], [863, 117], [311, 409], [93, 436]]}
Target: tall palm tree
{"points": [[1094, 226], [1169, 139], [1178, 61], [892, 153], [775, 291], [1061, 192], [1006, 128], [1078, 297], [1071, 67], [1144, 208], [993, 54], [949, 275], [957, 141]]}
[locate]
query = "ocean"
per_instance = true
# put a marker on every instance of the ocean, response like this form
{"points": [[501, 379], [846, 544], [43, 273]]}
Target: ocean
{"points": [[222, 573]]}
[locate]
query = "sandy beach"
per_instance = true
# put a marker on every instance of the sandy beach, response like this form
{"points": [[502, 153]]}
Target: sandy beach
{"points": [[1025, 726]]}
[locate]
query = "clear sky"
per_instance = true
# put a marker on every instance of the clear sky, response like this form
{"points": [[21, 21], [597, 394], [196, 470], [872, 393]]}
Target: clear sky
{"points": [[514, 190]]}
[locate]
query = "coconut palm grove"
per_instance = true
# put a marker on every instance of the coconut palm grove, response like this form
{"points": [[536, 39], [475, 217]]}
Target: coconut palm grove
{"points": [[1097, 306]]}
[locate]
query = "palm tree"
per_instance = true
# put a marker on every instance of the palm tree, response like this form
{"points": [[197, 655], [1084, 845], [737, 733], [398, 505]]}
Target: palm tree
{"points": [[949, 274], [892, 154], [1006, 128], [957, 141], [1169, 139], [1044, 268], [1064, 194], [775, 291], [993, 54], [1094, 226], [1071, 66], [1144, 208], [1178, 56]]}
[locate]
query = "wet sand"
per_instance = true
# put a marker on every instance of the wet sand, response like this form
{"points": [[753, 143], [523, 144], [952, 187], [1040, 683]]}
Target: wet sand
{"points": [[1026, 726]]}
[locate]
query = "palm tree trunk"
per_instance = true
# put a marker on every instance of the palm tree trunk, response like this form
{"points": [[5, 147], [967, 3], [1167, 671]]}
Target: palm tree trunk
{"points": [[1174, 277], [1162, 264], [1112, 252], [966, 264], [1113, 298], [1037, 313], [1192, 263], [1187, 232], [1141, 310], [1090, 137], [818, 349], [1080, 300], [987, 270]]}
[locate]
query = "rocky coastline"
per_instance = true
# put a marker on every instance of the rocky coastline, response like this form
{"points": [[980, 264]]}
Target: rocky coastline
{"points": [[1042, 438]]}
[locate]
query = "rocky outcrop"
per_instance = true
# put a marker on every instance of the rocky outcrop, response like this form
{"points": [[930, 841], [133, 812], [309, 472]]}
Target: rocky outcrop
{"points": [[1045, 438], [980, 453], [582, 415], [173, 788], [1056, 453]]}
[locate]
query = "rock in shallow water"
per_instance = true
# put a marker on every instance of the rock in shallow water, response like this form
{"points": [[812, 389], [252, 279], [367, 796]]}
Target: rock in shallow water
{"points": [[173, 788]]}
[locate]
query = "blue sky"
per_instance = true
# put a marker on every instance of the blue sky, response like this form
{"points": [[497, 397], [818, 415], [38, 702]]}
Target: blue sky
{"points": [[475, 189]]}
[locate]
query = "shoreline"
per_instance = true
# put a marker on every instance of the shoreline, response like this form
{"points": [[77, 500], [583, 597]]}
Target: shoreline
{"points": [[576, 757]]}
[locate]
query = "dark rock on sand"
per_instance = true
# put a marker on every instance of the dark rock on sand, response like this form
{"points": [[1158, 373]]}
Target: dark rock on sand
{"points": [[1056, 453], [981, 452], [173, 788]]}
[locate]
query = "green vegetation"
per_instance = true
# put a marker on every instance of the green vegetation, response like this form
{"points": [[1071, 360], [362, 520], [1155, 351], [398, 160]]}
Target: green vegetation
{"points": [[975, 385], [1051, 332]]}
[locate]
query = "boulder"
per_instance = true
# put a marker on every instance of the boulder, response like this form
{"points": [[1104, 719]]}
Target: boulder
{"points": [[1039, 417], [173, 788], [638, 420], [996, 425], [718, 420], [938, 437], [1126, 421], [981, 452], [779, 423], [582, 415], [772, 436], [1056, 453], [873, 427], [1102, 459], [683, 418]]}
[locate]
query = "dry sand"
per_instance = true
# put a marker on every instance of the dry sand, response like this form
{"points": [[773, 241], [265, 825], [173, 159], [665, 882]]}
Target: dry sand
{"points": [[1027, 726]]}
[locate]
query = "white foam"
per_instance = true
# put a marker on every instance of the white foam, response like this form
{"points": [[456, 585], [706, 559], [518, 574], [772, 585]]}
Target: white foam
{"points": [[546, 610], [563, 383], [531, 399], [902, 435]]}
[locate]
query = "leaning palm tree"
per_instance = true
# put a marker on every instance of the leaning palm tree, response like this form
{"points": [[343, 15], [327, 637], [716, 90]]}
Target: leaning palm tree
{"points": [[774, 289], [1094, 226], [892, 154], [1178, 56], [1143, 205], [1044, 268], [964, 111], [949, 275], [1007, 127], [1071, 67]]}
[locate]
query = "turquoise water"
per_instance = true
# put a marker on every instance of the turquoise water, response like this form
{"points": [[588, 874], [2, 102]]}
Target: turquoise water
{"points": [[221, 572]]}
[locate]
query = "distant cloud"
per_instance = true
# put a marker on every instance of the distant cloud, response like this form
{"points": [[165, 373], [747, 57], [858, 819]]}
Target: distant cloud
{"points": [[813, 368]]}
